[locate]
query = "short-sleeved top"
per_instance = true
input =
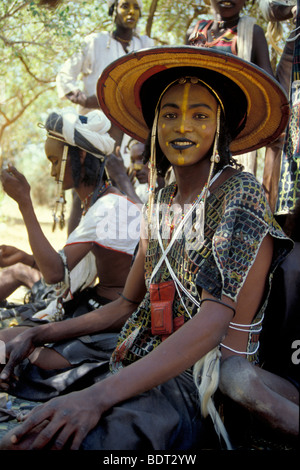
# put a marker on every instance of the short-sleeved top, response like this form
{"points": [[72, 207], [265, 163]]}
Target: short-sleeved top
{"points": [[227, 42], [112, 222], [237, 218]]}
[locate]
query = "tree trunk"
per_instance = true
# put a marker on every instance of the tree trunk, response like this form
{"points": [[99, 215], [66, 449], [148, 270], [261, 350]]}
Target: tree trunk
{"points": [[152, 11]]}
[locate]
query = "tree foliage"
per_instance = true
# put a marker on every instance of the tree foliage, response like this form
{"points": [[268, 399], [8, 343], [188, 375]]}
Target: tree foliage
{"points": [[35, 40]]}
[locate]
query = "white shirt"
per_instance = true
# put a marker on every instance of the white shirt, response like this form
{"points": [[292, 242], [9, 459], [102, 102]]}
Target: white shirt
{"points": [[99, 50]]}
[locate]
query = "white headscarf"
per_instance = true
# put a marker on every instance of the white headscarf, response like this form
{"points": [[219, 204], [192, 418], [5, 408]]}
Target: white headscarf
{"points": [[89, 132]]}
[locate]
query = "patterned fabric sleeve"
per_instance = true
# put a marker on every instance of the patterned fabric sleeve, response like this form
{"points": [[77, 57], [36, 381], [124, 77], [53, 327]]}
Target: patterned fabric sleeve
{"points": [[238, 238]]}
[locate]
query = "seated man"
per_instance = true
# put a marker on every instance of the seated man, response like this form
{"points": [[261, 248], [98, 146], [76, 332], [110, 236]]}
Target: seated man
{"points": [[102, 245], [198, 285]]}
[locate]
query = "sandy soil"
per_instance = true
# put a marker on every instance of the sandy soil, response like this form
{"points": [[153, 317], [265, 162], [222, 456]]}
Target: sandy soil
{"points": [[13, 231]]}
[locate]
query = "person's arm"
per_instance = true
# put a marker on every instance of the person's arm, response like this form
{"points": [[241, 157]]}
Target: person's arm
{"points": [[117, 172], [66, 79], [110, 317], [46, 257], [76, 414], [10, 255], [260, 52]]}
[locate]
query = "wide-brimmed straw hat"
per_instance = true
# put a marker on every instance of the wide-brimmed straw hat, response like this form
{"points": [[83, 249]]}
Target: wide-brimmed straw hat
{"points": [[129, 88]]}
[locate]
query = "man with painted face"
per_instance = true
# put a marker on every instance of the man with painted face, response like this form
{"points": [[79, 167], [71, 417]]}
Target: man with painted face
{"points": [[197, 289]]}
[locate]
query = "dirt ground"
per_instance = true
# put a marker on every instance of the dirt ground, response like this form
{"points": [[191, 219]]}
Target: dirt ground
{"points": [[13, 231]]}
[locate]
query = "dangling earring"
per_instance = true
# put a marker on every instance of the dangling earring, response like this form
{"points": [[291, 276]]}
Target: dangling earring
{"points": [[60, 198], [152, 169], [215, 158]]}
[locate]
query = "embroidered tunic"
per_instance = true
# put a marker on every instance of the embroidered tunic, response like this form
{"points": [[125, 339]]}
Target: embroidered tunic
{"points": [[237, 218], [226, 43]]}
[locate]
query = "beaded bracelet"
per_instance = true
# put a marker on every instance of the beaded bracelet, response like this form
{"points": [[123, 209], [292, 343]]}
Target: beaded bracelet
{"points": [[128, 300], [218, 302]]}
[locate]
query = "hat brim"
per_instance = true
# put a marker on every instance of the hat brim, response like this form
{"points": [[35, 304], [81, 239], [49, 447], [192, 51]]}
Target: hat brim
{"points": [[120, 83]]}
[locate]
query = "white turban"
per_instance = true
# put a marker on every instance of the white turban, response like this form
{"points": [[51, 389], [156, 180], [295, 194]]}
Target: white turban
{"points": [[89, 132]]}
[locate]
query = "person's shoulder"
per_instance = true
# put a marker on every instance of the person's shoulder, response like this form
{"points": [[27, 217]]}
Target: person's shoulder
{"points": [[247, 180], [243, 185], [198, 23], [146, 41], [96, 37], [115, 198], [258, 31]]}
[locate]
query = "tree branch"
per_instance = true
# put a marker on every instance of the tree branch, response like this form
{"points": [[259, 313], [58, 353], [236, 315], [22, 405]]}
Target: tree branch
{"points": [[10, 121], [12, 11], [40, 80], [152, 11]]}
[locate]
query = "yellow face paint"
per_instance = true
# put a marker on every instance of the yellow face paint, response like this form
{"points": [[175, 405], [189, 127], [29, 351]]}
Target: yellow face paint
{"points": [[184, 105], [180, 160], [203, 126]]}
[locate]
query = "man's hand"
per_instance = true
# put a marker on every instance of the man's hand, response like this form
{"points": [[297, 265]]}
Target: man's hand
{"points": [[15, 185], [18, 349], [60, 423], [78, 97], [10, 255]]}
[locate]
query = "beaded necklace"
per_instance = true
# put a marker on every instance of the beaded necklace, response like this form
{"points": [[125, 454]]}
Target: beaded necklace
{"points": [[85, 204], [198, 201], [172, 221], [223, 25]]}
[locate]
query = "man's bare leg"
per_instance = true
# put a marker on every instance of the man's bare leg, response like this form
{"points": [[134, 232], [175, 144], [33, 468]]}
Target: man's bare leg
{"points": [[271, 398]]}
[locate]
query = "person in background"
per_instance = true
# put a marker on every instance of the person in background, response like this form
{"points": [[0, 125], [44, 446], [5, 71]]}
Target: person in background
{"points": [[275, 13], [99, 50], [92, 267], [229, 31], [138, 171]]}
